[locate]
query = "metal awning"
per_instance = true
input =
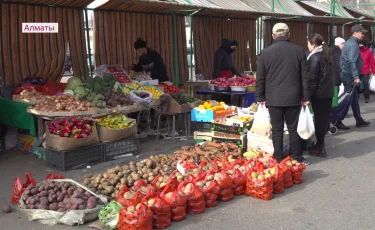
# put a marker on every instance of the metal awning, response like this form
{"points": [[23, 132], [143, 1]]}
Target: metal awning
{"points": [[288, 7], [323, 9], [361, 12], [66, 3]]}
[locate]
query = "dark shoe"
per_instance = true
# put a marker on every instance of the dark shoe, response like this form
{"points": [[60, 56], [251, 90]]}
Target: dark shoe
{"points": [[341, 125], [366, 100], [319, 152], [362, 123], [303, 161]]}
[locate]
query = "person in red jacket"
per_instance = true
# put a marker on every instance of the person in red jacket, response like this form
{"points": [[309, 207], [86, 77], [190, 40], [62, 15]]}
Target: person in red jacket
{"points": [[368, 67]]}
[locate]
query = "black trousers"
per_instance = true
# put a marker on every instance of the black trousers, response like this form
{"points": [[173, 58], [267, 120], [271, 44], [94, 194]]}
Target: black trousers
{"points": [[290, 115], [366, 87], [322, 111]]}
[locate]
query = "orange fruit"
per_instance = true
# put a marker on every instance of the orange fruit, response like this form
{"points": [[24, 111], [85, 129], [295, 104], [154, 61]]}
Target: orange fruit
{"points": [[201, 106]]}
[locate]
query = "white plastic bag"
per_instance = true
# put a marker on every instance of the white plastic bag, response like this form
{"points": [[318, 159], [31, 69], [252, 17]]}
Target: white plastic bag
{"points": [[341, 89], [261, 124], [372, 83], [305, 128]]}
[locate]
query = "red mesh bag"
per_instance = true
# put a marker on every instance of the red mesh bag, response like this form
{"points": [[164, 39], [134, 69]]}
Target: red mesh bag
{"points": [[272, 162], [226, 186], [53, 176], [140, 219], [161, 209], [239, 182], [230, 165], [195, 200], [210, 192], [143, 188], [261, 189], [287, 171], [176, 201], [297, 171], [19, 187], [126, 202], [278, 182], [172, 181]]}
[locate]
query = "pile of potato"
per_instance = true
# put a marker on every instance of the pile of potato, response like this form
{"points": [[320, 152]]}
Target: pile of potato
{"points": [[263, 176], [109, 183], [203, 183], [58, 196]]}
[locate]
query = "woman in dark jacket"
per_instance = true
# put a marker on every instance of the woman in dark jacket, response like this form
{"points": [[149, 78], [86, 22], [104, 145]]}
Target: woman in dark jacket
{"points": [[321, 89], [223, 62], [150, 61]]}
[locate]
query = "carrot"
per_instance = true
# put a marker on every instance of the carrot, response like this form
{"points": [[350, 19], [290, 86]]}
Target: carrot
{"points": [[232, 146], [224, 146], [213, 144], [189, 154], [208, 157], [211, 149], [199, 151]]}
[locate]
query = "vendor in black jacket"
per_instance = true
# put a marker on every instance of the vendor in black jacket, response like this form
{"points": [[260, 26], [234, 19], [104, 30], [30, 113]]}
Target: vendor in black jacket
{"points": [[223, 62], [282, 84], [321, 68], [150, 61]]}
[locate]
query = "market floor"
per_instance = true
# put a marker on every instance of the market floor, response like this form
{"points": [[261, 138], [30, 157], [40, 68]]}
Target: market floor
{"points": [[337, 193]]}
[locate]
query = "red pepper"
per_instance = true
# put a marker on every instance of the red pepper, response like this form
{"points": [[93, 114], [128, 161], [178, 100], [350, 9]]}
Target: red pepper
{"points": [[77, 136], [67, 129]]}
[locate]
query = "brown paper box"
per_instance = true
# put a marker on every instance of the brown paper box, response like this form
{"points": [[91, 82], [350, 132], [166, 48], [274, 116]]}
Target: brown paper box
{"points": [[107, 135], [64, 143], [174, 107]]}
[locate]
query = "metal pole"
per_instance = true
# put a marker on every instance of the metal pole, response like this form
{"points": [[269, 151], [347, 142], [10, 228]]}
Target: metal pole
{"points": [[175, 54], [191, 47], [272, 19], [257, 37], [261, 34], [88, 40]]}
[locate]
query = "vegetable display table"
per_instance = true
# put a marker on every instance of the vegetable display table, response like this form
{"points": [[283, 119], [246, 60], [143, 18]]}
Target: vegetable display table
{"points": [[249, 97], [15, 114]]}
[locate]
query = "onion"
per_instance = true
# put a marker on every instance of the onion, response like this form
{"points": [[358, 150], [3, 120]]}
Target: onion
{"points": [[76, 98], [59, 97], [87, 104]]}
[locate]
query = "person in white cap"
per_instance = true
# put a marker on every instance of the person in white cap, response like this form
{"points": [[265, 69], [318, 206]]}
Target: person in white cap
{"points": [[283, 85]]}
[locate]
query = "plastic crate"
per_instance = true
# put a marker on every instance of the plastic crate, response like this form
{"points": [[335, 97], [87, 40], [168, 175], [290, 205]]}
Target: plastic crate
{"points": [[116, 148], [72, 159], [204, 126]]}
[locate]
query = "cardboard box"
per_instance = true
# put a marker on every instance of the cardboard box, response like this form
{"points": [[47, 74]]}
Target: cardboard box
{"points": [[107, 135], [174, 107], [207, 115], [240, 140], [64, 143], [27, 143], [229, 125]]}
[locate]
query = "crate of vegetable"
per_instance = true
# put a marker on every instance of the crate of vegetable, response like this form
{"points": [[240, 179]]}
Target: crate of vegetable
{"points": [[115, 126], [71, 133], [71, 159], [120, 147], [61, 201]]}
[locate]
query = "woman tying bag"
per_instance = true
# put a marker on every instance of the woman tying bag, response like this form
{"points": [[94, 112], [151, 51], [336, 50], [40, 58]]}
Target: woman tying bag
{"points": [[150, 61], [321, 89]]}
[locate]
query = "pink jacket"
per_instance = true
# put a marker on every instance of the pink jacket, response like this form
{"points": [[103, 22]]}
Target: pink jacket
{"points": [[368, 61]]}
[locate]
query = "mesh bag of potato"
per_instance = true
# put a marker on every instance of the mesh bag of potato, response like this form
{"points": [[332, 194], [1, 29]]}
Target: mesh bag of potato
{"points": [[177, 202], [161, 209], [287, 171], [143, 188], [160, 182], [126, 196], [135, 217], [259, 184], [225, 182], [195, 200], [297, 170], [210, 190]]}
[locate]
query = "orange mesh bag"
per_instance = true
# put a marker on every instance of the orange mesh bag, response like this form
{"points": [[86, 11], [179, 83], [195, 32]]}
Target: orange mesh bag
{"points": [[176, 201], [287, 171], [161, 209], [210, 190], [239, 182], [125, 197], [143, 188], [226, 187], [172, 181], [297, 170], [140, 219], [257, 185], [278, 182], [195, 200]]}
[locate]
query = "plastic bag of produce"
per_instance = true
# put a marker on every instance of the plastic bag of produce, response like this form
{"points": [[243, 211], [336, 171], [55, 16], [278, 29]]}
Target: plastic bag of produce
{"points": [[210, 190], [161, 210], [195, 199], [159, 184], [62, 201], [287, 172], [278, 182], [141, 218], [261, 124], [297, 170], [225, 182], [305, 128], [54, 176], [258, 184], [19, 187], [142, 97], [239, 182], [126, 196], [177, 202], [109, 215], [143, 188]]}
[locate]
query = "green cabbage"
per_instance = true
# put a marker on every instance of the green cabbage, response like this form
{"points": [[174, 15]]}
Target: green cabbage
{"points": [[80, 91], [73, 82]]}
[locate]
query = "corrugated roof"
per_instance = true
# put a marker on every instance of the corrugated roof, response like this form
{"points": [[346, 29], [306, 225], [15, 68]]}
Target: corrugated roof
{"points": [[281, 7], [66, 3], [325, 7], [367, 13]]}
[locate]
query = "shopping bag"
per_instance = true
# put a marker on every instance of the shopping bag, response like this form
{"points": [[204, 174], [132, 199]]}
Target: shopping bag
{"points": [[261, 124], [372, 83], [335, 100], [305, 126], [341, 89]]}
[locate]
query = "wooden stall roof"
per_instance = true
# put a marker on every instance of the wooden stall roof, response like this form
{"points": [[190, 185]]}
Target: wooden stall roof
{"points": [[323, 9], [62, 3], [369, 15]]}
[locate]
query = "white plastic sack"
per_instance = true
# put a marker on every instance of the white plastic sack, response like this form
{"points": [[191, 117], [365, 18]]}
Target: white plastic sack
{"points": [[101, 70], [372, 83], [71, 217], [137, 99], [305, 128], [261, 124], [341, 89]]}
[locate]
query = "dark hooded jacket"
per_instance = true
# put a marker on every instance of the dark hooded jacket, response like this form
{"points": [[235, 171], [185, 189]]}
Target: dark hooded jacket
{"points": [[223, 58], [152, 62]]}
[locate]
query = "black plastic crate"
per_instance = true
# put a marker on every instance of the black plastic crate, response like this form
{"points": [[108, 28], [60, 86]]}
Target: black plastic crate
{"points": [[203, 126], [120, 147], [74, 159]]}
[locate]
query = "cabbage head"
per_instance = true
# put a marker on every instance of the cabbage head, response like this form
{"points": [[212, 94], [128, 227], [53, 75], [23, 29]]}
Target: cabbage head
{"points": [[80, 91], [73, 82]]}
